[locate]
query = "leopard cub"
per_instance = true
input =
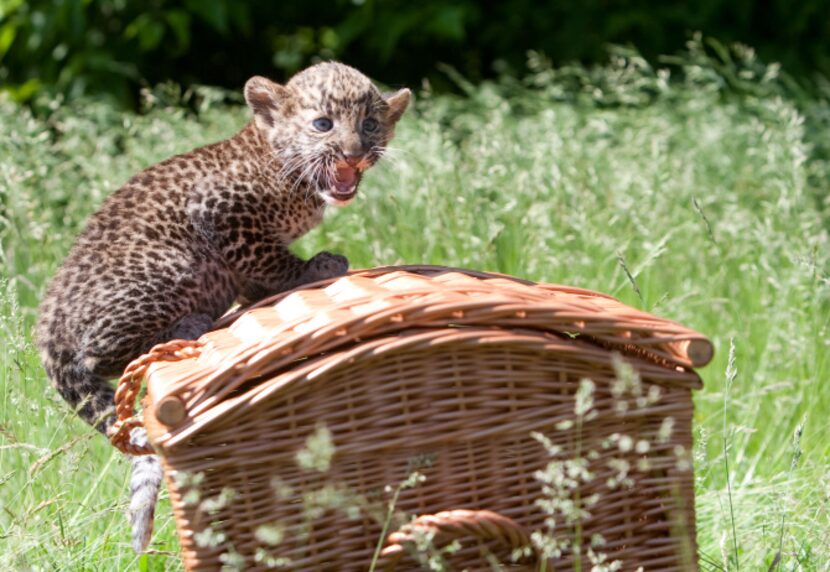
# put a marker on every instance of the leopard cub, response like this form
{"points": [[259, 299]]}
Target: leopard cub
{"points": [[170, 251]]}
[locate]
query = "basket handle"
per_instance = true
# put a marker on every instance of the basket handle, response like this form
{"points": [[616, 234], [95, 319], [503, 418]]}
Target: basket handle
{"points": [[453, 524], [130, 384]]}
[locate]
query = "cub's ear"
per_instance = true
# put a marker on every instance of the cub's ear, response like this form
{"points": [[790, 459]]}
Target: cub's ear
{"points": [[397, 101], [266, 99]]}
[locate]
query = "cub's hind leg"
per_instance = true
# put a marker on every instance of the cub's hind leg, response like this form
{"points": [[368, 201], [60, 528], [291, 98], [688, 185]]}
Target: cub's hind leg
{"points": [[191, 327]]}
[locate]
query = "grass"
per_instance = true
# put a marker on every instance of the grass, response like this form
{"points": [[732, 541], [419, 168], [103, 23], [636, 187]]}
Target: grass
{"points": [[693, 199]]}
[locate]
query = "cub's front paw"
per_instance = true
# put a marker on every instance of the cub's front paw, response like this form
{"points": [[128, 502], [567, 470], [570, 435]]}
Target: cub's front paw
{"points": [[326, 265]]}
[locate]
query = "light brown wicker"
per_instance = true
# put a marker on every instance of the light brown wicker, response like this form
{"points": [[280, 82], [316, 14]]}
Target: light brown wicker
{"points": [[444, 370]]}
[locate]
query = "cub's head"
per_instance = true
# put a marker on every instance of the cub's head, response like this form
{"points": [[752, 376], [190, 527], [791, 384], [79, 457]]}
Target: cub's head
{"points": [[326, 126]]}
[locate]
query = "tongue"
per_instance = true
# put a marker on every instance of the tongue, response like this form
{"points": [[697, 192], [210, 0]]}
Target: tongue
{"points": [[345, 179]]}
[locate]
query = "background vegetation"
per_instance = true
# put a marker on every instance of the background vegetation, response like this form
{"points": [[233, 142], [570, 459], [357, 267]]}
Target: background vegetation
{"points": [[706, 180], [114, 47]]}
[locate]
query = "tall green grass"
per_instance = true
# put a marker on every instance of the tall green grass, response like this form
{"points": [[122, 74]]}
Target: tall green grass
{"points": [[710, 189]]}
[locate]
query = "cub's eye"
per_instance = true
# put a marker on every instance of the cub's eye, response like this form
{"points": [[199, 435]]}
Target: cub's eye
{"points": [[323, 124], [370, 125]]}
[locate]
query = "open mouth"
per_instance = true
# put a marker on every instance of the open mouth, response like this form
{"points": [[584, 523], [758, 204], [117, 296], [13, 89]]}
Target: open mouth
{"points": [[343, 187]]}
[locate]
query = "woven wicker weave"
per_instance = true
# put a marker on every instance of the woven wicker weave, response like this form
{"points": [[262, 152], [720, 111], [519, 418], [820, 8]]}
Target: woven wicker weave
{"points": [[444, 370]]}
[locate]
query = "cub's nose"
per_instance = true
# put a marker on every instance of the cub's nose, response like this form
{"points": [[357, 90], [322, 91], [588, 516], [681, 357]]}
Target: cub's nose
{"points": [[352, 159]]}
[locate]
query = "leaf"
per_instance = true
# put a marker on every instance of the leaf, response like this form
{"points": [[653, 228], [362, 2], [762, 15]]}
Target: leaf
{"points": [[7, 35], [179, 22], [24, 91], [448, 23], [9, 6], [146, 30], [213, 12]]}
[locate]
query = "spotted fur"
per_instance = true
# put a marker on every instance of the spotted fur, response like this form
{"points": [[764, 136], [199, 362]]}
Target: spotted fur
{"points": [[170, 251]]}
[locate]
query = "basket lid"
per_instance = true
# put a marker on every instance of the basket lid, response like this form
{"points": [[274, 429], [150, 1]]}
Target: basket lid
{"points": [[318, 318], [420, 295]]}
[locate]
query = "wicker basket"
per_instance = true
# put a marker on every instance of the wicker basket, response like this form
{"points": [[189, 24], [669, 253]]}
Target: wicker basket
{"points": [[442, 370]]}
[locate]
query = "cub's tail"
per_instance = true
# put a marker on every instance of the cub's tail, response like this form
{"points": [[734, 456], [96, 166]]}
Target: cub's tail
{"points": [[145, 483]]}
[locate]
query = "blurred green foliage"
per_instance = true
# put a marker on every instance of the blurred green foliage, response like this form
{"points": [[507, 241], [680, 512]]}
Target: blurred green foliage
{"points": [[114, 47], [704, 178]]}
